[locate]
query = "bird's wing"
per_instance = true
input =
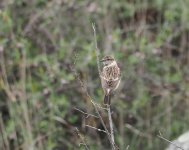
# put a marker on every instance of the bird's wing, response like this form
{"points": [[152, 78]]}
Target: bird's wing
{"points": [[119, 73]]}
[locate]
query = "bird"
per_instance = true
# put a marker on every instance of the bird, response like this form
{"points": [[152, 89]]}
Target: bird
{"points": [[110, 77]]}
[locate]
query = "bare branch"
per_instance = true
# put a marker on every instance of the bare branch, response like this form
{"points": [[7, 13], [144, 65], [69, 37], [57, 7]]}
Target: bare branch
{"points": [[100, 130], [82, 139], [161, 137], [111, 134], [137, 132], [97, 49], [111, 125], [99, 106], [86, 114], [102, 121]]}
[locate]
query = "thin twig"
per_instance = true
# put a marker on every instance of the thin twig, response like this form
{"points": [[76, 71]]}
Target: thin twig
{"points": [[86, 114], [82, 139], [137, 132], [96, 48], [103, 124], [99, 106], [100, 130], [161, 137], [111, 125], [105, 128]]}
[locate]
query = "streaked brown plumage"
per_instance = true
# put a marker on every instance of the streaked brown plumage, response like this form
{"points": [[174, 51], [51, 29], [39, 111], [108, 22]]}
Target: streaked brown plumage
{"points": [[110, 77]]}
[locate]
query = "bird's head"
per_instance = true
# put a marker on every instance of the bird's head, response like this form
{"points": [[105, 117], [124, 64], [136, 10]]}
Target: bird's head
{"points": [[107, 60]]}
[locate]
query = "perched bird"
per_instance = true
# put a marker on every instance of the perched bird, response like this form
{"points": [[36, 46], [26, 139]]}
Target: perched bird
{"points": [[110, 77]]}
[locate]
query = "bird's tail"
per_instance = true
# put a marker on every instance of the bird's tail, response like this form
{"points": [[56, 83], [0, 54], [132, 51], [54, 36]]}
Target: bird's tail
{"points": [[107, 99]]}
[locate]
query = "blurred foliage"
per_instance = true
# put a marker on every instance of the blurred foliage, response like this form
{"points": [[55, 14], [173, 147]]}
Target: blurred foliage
{"points": [[42, 41]]}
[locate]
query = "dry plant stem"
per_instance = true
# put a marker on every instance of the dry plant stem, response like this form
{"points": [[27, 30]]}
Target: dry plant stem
{"points": [[111, 134], [137, 132], [86, 114], [161, 137], [111, 125], [82, 139], [96, 48], [102, 121], [95, 128]]}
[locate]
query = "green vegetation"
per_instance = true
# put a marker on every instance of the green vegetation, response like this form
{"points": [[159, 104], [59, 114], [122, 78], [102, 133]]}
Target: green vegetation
{"points": [[42, 42]]}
